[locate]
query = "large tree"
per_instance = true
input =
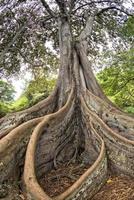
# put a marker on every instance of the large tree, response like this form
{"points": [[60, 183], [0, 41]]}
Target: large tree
{"points": [[77, 119]]}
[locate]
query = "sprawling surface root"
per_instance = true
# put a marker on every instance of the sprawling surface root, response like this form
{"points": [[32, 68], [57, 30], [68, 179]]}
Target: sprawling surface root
{"points": [[12, 156], [47, 148], [56, 129], [120, 148], [11, 121], [77, 128]]}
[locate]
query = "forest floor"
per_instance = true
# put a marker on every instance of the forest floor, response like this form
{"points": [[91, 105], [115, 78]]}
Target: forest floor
{"points": [[117, 188], [57, 181]]}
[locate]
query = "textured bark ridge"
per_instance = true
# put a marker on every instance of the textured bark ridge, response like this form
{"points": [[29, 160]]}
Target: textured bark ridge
{"points": [[77, 117]]}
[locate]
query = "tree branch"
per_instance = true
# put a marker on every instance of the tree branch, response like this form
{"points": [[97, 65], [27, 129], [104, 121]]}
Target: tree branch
{"points": [[89, 24], [62, 6], [46, 6], [86, 32], [88, 28], [113, 7], [71, 6], [27, 60], [22, 28], [95, 2]]}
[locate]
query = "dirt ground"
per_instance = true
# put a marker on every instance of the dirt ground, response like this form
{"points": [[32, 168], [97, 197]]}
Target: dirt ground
{"points": [[117, 188], [57, 181]]}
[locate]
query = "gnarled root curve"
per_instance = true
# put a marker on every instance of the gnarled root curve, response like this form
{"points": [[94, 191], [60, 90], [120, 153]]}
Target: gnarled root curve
{"points": [[39, 145]]}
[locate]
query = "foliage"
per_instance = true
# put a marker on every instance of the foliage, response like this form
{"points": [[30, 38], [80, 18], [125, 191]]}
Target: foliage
{"points": [[26, 26], [19, 104], [41, 85], [39, 88], [35, 91], [4, 109], [6, 96], [127, 30], [118, 79], [129, 109], [6, 91]]}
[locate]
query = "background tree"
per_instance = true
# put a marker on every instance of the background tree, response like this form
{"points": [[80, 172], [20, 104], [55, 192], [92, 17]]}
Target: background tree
{"points": [[35, 91], [118, 79], [80, 118], [6, 96], [6, 91]]}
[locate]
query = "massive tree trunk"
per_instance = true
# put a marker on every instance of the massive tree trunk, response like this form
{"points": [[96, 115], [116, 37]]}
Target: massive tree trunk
{"points": [[76, 120]]}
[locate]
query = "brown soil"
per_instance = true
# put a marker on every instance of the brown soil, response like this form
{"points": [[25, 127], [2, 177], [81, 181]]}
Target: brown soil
{"points": [[117, 188], [57, 181], [10, 192]]}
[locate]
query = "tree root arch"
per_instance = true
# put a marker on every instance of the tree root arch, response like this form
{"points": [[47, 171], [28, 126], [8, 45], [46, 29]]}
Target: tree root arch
{"points": [[84, 183], [42, 144]]}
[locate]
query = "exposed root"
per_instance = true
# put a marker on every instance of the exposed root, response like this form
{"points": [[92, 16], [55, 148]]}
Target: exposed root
{"points": [[74, 157], [61, 147], [12, 151], [29, 172], [57, 139], [11, 121], [115, 119], [120, 150]]}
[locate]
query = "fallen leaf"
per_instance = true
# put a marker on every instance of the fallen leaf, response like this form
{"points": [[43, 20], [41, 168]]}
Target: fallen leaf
{"points": [[109, 181]]}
